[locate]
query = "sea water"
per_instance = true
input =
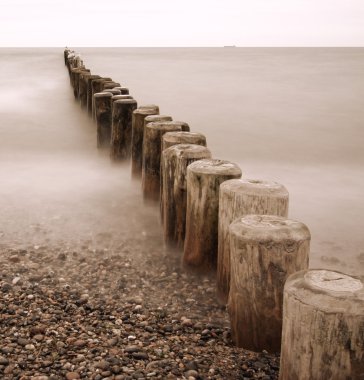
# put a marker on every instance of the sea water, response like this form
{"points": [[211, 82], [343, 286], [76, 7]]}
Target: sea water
{"points": [[291, 115]]}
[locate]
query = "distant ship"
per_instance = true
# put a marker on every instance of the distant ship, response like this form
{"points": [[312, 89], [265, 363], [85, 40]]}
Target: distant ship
{"points": [[229, 46]]}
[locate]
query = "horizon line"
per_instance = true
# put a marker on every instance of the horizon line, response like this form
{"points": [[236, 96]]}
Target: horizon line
{"points": [[189, 47]]}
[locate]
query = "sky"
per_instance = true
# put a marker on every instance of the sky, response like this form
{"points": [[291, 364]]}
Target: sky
{"points": [[30, 23]]}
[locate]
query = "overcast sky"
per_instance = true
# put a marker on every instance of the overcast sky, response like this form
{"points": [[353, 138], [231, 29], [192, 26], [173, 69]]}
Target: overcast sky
{"points": [[181, 22]]}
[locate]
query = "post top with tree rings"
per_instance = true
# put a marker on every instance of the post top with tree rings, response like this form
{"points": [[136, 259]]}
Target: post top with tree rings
{"points": [[270, 229], [103, 95], [173, 137], [156, 118], [256, 187], [122, 88], [110, 85], [213, 166], [79, 70], [145, 111], [125, 101], [328, 291], [332, 281], [112, 91], [121, 97], [87, 74], [163, 125], [189, 150], [98, 80], [150, 106]]}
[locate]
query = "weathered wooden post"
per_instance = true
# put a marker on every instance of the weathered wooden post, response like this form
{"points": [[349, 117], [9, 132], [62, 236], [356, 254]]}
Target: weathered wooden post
{"points": [[110, 84], [78, 60], [73, 70], [203, 182], [69, 63], [112, 91], [139, 116], [83, 88], [123, 90], [89, 92], [96, 86], [184, 126], [66, 52], [174, 168], [174, 138], [239, 197], [150, 106], [102, 103], [120, 97], [77, 73], [323, 326], [152, 142], [264, 251], [122, 113]]}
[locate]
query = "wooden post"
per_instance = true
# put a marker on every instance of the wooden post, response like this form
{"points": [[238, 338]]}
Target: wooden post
{"points": [[152, 142], [77, 74], [78, 61], [239, 197], [73, 72], [323, 326], [65, 54], [139, 116], [82, 88], [112, 91], [69, 63], [73, 78], [150, 106], [121, 97], [184, 126], [203, 181], [103, 118], [123, 90], [174, 168], [110, 84], [174, 138], [96, 86], [89, 92], [265, 250], [122, 112]]}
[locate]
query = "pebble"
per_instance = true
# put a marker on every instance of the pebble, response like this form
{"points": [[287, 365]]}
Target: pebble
{"points": [[140, 355], [3, 360], [9, 369], [14, 258], [71, 319], [131, 349], [15, 280], [72, 376]]}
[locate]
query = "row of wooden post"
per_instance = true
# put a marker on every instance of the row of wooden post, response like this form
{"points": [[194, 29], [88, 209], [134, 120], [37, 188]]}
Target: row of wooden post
{"points": [[238, 228]]}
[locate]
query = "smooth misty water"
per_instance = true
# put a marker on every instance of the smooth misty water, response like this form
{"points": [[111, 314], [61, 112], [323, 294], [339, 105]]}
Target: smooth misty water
{"points": [[294, 116]]}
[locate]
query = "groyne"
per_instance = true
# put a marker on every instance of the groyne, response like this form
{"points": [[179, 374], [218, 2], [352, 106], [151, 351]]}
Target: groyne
{"points": [[241, 232]]}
